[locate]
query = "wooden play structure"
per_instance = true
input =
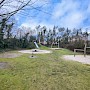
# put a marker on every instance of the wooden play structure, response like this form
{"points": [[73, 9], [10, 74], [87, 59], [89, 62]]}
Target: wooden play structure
{"points": [[83, 50], [55, 44]]}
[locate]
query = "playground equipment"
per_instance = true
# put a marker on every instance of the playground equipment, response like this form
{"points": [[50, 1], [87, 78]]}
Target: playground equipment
{"points": [[56, 43], [36, 45], [35, 51], [84, 50]]}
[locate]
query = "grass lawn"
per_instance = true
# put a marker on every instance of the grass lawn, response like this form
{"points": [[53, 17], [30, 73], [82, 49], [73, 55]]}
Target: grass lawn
{"points": [[46, 72]]}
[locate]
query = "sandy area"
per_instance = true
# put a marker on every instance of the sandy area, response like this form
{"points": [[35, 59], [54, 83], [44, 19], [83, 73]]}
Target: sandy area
{"points": [[78, 58], [9, 55], [37, 51]]}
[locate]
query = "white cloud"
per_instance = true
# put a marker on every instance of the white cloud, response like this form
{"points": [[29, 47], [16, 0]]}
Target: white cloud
{"points": [[33, 23], [73, 20], [64, 7], [69, 13]]}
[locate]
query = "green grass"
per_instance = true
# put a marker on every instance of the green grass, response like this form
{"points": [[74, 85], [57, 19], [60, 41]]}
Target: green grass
{"points": [[46, 72], [43, 47]]}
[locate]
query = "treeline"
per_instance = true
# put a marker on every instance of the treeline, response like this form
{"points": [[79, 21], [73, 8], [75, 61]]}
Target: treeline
{"points": [[15, 40], [23, 37], [63, 37]]}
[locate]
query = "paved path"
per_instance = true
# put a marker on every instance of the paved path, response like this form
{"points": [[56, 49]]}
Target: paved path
{"points": [[79, 58]]}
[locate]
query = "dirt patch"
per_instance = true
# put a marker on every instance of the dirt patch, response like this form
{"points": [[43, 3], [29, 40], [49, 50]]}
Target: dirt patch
{"points": [[3, 65], [9, 55], [78, 58]]}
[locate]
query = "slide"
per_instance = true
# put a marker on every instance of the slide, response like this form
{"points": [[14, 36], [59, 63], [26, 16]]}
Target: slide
{"points": [[36, 45]]}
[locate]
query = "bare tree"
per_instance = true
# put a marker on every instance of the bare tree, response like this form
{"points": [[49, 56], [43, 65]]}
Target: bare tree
{"points": [[1, 2], [8, 8]]}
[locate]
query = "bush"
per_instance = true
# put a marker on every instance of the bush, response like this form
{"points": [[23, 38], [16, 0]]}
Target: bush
{"points": [[75, 45], [31, 45]]}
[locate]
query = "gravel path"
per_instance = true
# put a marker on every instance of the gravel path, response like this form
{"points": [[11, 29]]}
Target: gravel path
{"points": [[78, 58]]}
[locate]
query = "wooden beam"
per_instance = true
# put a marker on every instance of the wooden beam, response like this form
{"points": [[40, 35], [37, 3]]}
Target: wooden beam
{"points": [[87, 47]]}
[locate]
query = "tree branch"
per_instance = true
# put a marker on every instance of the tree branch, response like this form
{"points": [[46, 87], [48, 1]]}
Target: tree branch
{"points": [[14, 12], [2, 2]]}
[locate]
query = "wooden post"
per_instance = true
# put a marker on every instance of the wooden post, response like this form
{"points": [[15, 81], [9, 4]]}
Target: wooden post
{"points": [[85, 49], [74, 52], [32, 54], [58, 43]]}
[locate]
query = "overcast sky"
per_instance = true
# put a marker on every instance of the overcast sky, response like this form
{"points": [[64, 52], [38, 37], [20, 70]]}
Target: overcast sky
{"points": [[63, 13]]}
